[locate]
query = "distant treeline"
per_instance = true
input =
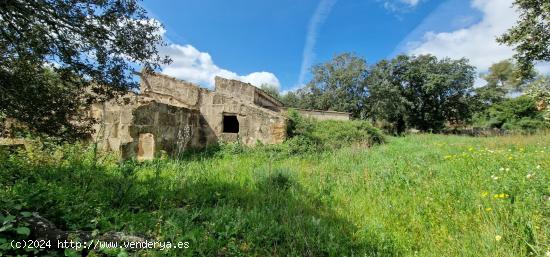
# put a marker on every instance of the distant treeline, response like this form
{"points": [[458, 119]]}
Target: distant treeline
{"points": [[423, 93]]}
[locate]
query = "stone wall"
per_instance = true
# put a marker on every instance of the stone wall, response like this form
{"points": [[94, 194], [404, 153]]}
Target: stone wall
{"points": [[235, 88], [246, 92], [263, 99], [169, 90], [231, 97], [256, 124], [140, 127], [321, 115]]}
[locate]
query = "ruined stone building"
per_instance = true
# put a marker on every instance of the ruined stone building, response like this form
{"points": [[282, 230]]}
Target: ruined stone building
{"points": [[172, 115]]}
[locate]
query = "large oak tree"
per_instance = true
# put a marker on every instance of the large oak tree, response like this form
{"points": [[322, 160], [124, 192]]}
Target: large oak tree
{"points": [[337, 85], [58, 56], [421, 92]]}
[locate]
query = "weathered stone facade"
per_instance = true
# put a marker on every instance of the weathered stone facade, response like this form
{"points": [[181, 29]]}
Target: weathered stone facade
{"points": [[172, 115], [139, 127], [322, 115]]}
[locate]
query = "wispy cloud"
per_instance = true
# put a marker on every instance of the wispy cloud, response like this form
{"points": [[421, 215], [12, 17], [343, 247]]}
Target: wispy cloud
{"points": [[476, 42], [400, 5], [411, 2], [449, 15], [319, 16]]}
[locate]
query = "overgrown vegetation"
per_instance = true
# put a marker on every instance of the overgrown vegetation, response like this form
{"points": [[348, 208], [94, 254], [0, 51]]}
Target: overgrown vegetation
{"points": [[424, 195], [517, 114], [309, 135]]}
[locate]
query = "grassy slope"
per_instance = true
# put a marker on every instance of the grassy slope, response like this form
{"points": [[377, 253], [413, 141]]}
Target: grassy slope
{"points": [[424, 195]]}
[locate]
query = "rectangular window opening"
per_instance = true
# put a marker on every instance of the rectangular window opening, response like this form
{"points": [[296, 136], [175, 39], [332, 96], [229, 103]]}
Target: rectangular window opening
{"points": [[230, 124]]}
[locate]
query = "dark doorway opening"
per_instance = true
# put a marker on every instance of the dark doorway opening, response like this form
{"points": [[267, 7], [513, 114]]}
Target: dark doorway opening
{"points": [[230, 124]]}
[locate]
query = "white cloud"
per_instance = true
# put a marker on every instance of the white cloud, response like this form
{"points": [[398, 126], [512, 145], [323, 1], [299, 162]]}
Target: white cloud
{"points": [[190, 64], [476, 42], [319, 16], [400, 5], [411, 2]]}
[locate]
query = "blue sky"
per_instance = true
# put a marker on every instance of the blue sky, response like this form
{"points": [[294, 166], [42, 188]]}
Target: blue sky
{"points": [[277, 41]]}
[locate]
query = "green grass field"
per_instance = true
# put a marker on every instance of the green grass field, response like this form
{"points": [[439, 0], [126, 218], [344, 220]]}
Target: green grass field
{"points": [[420, 195]]}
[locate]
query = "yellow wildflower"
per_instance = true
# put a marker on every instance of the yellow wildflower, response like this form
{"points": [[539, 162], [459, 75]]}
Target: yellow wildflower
{"points": [[502, 196], [498, 238], [488, 209], [484, 194]]}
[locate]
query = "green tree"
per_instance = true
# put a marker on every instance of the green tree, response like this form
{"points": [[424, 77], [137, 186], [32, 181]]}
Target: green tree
{"points": [[507, 75], [539, 90], [271, 90], [518, 113], [291, 99], [531, 35], [502, 78], [387, 101], [421, 92], [337, 85], [488, 95], [58, 55]]}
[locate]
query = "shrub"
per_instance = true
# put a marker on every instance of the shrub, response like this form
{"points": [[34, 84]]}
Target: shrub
{"points": [[308, 135], [518, 114], [298, 125], [302, 144], [336, 134]]}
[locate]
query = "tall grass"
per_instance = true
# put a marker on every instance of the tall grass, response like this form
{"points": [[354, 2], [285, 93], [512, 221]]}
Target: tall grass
{"points": [[421, 195]]}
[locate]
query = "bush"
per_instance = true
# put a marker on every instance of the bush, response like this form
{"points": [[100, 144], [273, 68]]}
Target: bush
{"points": [[517, 114], [309, 135], [527, 125], [336, 134], [302, 144], [298, 125]]}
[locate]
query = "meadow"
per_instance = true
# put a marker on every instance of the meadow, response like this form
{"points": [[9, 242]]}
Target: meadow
{"points": [[417, 195]]}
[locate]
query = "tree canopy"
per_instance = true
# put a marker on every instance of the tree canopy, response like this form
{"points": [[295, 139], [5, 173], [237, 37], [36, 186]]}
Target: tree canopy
{"points": [[531, 35], [539, 90], [337, 85], [503, 77], [57, 55], [421, 92]]}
